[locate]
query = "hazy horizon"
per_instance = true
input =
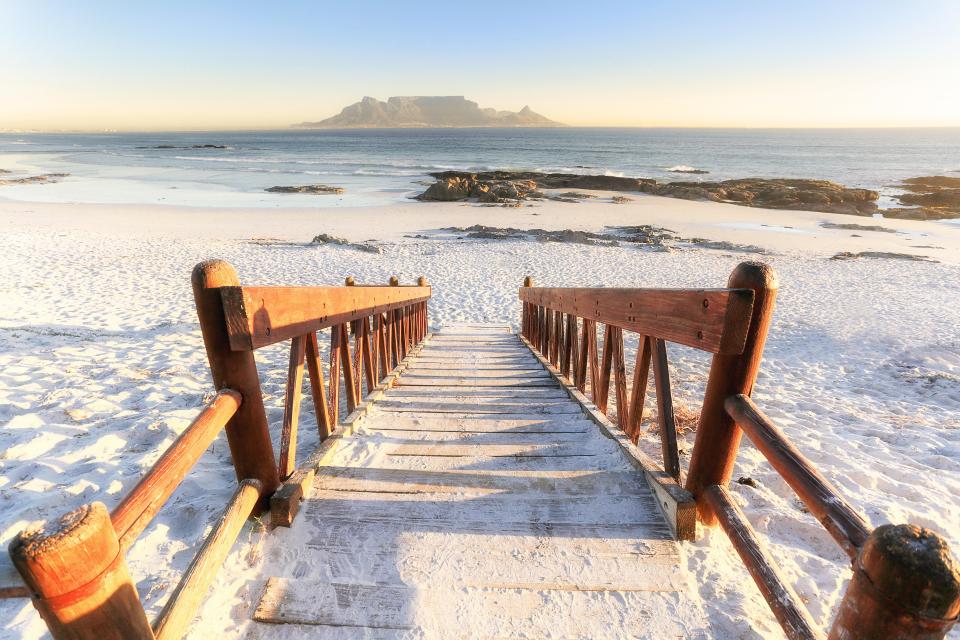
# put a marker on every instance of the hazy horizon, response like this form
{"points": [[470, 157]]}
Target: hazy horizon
{"points": [[111, 66]]}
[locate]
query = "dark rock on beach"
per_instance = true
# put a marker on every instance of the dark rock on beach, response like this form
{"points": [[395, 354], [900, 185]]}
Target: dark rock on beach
{"points": [[324, 238], [321, 189], [848, 255], [928, 198], [806, 195]]}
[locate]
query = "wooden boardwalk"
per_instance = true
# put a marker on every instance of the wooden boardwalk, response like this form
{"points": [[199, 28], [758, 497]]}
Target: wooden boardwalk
{"points": [[475, 500]]}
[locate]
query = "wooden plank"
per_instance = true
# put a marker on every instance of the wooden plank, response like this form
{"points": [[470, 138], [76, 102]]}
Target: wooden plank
{"points": [[638, 394], [180, 609], [620, 378], [668, 428], [346, 365], [336, 605], [444, 372], [291, 408], [479, 423], [335, 360], [601, 392], [369, 357], [318, 390], [713, 320], [474, 382], [580, 379], [550, 393], [258, 316], [479, 482]]}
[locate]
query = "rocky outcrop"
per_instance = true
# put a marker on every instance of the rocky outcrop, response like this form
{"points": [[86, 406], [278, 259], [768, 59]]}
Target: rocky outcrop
{"points": [[806, 195], [320, 189], [426, 111], [487, 191], [928, 198]]}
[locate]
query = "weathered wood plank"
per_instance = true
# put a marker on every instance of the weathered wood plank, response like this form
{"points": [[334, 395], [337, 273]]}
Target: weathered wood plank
{"points": [[258, 316], [291, 408], [714, 320], [413, 381]]}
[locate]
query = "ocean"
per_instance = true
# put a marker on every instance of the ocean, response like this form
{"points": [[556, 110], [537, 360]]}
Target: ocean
{"points": [[378, 166]]}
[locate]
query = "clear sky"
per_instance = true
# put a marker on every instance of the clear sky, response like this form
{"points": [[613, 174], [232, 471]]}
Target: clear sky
{"points": [[227, 65]]}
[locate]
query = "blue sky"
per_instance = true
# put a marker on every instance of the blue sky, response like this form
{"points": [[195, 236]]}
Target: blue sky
{"points": [[182, 65]]}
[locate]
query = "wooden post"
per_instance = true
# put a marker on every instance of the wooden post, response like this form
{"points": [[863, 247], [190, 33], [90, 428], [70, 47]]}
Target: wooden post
{"points": [[718, 437], [248, 432], [525, 323], [905, 586], [78, 578]]}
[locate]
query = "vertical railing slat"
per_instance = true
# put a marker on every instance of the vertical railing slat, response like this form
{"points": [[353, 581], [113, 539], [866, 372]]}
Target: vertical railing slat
{"points": [[317, 387], [668, 428], [641, 375], [291, 409]]}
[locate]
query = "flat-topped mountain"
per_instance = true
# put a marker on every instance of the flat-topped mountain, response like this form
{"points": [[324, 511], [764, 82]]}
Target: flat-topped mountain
{"points": [[427, 111]]}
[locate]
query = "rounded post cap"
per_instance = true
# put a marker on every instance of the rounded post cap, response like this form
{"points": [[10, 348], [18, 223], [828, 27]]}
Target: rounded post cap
{"points": [[394, 281], [349, 281], [214, 273], [753, 275], [913, 567], [528, 281], [57, 557], [422, 281]]}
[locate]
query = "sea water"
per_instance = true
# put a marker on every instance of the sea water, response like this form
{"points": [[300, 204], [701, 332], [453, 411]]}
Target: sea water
{"points": [[382, 166]]}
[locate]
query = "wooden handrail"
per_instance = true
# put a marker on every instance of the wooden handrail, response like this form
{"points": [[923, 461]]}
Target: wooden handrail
{"points": [[713, 320], [821, 498], [260, 316], [793, 617], [138, 508]]}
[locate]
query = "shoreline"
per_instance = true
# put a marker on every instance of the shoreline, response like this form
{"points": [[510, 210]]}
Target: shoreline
{"points": [[778, 231]]}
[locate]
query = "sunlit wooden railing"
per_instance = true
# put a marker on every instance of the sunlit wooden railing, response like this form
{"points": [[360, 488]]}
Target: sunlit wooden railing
{"points": [[75, 571], [905, 582]]}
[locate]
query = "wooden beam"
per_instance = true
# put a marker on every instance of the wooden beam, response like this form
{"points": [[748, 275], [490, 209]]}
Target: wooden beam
{"points": [[638, 394], [713, 320], [580, 378], [334, 369], [668, 427], [601, 392], [291, 408], [840, 520], [718, 438], [142, 503], [346, 364], [369, 356], [790, 613], [259, 316], [620, 378], [182, 606], [248, 432], [78, 578], [318, 389]]}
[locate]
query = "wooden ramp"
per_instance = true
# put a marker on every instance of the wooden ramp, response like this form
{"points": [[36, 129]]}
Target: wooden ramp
{"points": [[476, 500]]}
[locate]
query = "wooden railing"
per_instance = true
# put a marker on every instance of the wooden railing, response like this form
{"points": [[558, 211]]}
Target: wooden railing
{"points": [[905, 583], [75, 571]]}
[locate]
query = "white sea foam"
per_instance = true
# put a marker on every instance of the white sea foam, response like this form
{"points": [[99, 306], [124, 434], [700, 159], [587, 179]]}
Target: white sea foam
{"points": [[684, 168]]}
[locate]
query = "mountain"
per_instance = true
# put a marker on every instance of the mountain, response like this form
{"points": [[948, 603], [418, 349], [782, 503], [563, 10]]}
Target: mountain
{"points": [[427, 111]]}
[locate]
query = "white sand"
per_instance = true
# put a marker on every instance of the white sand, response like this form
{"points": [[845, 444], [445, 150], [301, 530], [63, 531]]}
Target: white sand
{"points": [[101, 366]]}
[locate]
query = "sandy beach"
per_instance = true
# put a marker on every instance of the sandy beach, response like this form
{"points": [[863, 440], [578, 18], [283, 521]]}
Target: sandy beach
{"points": [[102, 365]]}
